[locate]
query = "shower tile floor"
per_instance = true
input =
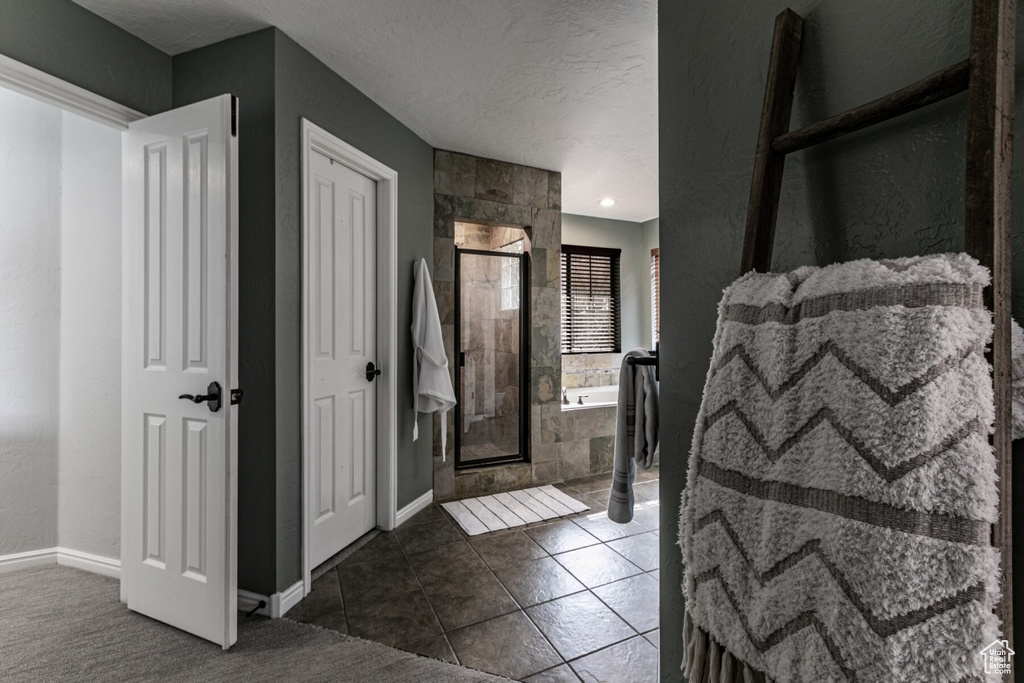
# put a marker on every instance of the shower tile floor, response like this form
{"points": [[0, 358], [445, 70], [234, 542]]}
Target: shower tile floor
{"points": [[483, 451], [575, 599]]}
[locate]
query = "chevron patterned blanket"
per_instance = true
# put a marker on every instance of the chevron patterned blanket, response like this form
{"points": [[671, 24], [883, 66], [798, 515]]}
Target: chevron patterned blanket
{"points": [[835, 523]]}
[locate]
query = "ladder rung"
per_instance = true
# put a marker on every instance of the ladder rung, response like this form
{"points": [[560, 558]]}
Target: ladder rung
{"points": [[938, 86]]}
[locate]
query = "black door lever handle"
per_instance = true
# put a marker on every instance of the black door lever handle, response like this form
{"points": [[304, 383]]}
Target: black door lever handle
{"points": [[200, 398], [212, 398], [371, 372]]}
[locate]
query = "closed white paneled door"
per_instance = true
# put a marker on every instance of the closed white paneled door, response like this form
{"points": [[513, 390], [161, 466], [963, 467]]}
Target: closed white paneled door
{"points": [[179, 455], [341, 394]]}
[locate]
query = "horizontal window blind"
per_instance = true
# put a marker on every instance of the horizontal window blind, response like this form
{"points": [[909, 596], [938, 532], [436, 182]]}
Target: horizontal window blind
{"points": [[590, 300], [656, 292]]}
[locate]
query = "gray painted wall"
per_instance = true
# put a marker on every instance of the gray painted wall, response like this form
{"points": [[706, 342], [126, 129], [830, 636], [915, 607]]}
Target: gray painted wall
{"points": [[70, 42], [893, 190], [306, 88], [244, 67], [278, 83]]}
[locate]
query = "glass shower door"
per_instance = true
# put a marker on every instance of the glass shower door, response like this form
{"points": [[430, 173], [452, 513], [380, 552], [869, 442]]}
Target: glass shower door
{"points": [[491, 372]]}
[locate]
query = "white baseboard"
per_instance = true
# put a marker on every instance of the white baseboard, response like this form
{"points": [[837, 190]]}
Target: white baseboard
{"points": [[66, 557], [412, 508], [97, 564], [33, 558], [276, 605], [289, 598]]}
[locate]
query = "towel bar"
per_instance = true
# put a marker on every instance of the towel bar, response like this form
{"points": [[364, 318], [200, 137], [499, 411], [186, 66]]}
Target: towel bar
{"points": [[654, 359]]}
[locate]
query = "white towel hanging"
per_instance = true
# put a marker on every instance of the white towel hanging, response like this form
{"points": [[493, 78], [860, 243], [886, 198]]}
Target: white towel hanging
{"points": [[431, 381]]}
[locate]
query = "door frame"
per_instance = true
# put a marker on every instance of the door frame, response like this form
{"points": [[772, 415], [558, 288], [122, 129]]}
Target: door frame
{"points": [[316, 139], [524, 359], [33, 82]]}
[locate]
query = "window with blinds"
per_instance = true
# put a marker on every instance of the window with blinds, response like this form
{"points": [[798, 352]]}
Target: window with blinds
{"points": [[590, 300], [656, 292]]}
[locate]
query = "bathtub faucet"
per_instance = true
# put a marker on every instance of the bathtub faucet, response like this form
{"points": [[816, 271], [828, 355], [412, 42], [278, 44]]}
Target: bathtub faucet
{"points": [[579, 399], [565, 397]]}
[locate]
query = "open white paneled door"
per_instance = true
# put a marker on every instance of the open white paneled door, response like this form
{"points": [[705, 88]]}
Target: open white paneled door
{"points": [[179, 340]]}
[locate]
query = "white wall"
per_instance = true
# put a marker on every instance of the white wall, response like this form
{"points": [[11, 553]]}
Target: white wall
{"points": [[634, 264], [89, 476], [60, 245], [30, 158]]}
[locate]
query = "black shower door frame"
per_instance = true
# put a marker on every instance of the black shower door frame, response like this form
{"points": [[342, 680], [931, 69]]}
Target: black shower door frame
{"points": [[525, 380]]}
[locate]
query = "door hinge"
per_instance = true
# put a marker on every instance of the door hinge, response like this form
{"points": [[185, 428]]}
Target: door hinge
{"points": [[234, 116]]}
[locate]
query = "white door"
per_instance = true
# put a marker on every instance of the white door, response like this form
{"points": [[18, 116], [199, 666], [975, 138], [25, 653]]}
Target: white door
{"points": [[180, 298], [341, 339]]}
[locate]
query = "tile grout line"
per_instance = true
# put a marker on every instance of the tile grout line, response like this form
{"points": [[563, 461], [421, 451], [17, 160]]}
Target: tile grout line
{"points": [[521, 608], [444, 634], [572, 517], [602, 649], [464, 536], [344, 603], [586, 589], [590, 590], [638, 634], [628, 561], [536, 626]]}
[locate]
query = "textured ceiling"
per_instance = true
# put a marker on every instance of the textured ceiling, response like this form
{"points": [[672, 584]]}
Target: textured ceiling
{"points": [[566, 85]]}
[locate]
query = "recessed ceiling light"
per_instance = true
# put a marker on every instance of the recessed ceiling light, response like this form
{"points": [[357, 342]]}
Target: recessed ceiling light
{"points": [[606, 202]]}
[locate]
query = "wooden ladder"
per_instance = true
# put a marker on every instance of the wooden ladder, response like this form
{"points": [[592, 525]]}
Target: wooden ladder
{"points": [[988, 78]]}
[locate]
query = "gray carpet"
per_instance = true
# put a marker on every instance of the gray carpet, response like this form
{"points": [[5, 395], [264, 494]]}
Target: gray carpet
{"points": [[61, 624]]}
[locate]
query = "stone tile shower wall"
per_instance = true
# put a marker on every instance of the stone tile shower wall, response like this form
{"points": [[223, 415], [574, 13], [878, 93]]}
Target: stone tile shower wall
{"points": [[498, 194]]}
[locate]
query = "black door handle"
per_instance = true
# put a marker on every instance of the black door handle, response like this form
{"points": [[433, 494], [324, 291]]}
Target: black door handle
{"points": [[371, 372], [212, 397]]}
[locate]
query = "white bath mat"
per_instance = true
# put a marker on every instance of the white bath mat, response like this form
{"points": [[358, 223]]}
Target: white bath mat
{"points": [[514, 508]]}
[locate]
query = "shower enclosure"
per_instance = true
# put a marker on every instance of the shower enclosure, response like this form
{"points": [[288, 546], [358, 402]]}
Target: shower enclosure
{"points": [[492, 356]]}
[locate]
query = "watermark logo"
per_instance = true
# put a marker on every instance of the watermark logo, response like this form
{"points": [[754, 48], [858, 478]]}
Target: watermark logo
{"points": [[997, 657]]}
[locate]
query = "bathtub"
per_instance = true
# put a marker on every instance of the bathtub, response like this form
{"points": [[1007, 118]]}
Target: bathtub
{"points": [[594, 397]]}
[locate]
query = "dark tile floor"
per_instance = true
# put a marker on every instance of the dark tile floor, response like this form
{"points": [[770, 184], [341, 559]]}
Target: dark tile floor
{"points": [[574, 599]]}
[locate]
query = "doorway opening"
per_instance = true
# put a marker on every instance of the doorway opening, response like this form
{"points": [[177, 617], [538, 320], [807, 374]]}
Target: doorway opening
{"points": [[492, 345]]}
